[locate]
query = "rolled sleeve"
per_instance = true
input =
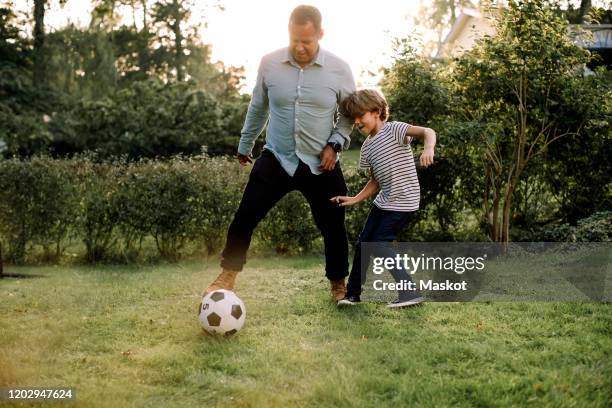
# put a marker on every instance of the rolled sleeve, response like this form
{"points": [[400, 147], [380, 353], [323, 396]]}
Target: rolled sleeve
{"points": [[257, 114], [344, 125]]}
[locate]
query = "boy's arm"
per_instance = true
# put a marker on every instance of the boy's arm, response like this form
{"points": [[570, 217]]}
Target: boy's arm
{"points": [[256, 117], [368, 190], [428, 136]]}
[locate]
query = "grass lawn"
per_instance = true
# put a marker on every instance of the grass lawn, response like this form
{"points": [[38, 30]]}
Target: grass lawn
{"points": [[129, 337]]}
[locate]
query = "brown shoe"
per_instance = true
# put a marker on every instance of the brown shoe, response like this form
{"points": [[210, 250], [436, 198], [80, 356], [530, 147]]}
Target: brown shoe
{"points": [[225, 280], [338, 289]]}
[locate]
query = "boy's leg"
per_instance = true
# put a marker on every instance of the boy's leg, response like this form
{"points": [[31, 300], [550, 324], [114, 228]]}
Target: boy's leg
{"points": [[268, 183], [329, 218], [357, 277], [389, 227]]}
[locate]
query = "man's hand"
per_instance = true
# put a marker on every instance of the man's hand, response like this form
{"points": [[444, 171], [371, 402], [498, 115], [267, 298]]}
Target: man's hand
{"points": [[244, 159], [343, 201], [328, 159], [427, 157]]}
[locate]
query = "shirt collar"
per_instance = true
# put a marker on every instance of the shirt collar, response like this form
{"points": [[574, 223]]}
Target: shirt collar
{"points": [[319, 58]]}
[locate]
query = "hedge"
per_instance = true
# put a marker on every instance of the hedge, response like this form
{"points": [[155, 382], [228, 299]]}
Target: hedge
{"points": [[112, 207]]}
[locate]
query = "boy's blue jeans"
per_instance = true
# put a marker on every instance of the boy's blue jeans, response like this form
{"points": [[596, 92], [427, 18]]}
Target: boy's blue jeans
{"points": [[381, 226]]}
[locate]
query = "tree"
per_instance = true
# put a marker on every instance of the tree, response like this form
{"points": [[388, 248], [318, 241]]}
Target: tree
{"points": [[585, 8], [39, 42], [516, 86], [171, 17]]}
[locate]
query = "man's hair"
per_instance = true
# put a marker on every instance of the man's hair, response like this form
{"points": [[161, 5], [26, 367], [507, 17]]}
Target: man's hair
{"points": [[303, 14], [362, 101]]}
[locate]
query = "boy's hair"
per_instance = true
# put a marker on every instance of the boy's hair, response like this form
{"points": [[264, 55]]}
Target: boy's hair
{"points": [[303, 14], [365, 100]]}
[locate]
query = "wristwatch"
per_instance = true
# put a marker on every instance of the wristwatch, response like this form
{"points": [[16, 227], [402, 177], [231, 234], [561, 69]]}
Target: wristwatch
{"points": [[335, 145]]}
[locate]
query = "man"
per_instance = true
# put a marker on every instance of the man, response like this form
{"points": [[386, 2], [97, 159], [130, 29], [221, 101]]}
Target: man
{"points": [[299, 89]]}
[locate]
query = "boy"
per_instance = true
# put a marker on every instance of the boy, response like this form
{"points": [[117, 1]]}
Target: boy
{"points": [[387, 154]]}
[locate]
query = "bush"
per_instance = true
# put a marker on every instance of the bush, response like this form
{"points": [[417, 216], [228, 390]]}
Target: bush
{"points": [[186, 203], [98, 215], [146, 120], [357, 214], [289, 227], [36, 205], [222, 182], [595, 228]]}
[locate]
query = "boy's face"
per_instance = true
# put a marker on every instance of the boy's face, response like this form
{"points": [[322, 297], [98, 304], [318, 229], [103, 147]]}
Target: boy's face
{"points": [[368, 123]]}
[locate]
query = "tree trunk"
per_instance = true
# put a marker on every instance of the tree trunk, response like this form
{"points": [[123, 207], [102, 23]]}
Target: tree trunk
{"points": [[585, 8], [495, 225], [1, 267], [452, 6], [144, 16], [39, 43], [178, 40], [507, 211]]}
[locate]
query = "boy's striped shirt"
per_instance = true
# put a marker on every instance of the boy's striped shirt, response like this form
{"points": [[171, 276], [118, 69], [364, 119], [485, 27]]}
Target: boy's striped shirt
{"points": [[389, 155]]}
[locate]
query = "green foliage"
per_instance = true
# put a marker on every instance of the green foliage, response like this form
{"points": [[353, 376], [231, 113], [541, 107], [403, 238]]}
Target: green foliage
{"points": [[81, 63], [289, 227], [357, 214], [148, 119], [222, 184], [112, 207], [37, 205], [413, 87], [578, 167], [418, 93], [518, 126], [116, 89], [163, 199], [98, 214], [596, 228]]}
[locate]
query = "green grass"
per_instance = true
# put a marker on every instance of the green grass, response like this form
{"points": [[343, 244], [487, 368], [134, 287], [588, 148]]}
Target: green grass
{"points": [[129, 337], [350, 159]]}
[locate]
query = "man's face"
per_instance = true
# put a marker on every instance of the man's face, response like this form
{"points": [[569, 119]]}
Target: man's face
{"points": [[304, 42]]}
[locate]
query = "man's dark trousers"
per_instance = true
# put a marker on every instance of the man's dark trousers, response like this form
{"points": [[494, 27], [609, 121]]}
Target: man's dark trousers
{"points": [[268, 183]]}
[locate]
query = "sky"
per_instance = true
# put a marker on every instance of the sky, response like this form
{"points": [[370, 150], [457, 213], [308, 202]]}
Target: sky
{"points": [[359, 31]]}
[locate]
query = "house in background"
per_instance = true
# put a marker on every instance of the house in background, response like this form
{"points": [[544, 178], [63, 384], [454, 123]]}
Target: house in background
{"points": [[601, 44], [472, 25]]}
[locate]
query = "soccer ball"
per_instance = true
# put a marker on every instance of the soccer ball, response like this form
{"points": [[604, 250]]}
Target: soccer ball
{"points": [[222, 312]]}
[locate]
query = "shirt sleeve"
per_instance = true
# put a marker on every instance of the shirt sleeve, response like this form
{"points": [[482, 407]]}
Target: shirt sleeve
{"points": [[363, 161], [257, 114], [343, 126], [399, 130]]}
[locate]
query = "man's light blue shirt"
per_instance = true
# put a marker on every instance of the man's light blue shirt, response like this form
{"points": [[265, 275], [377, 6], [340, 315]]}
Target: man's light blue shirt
{"points": [[302, 107]]}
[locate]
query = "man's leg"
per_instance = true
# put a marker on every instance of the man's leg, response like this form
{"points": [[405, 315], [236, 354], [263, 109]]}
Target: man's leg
{"points": [[329, 218], [268, 183]]}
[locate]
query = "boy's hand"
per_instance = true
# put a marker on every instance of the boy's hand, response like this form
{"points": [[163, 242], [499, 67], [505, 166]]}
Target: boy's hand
{"points": [[343, 201], [244, 159], [427, 157]]}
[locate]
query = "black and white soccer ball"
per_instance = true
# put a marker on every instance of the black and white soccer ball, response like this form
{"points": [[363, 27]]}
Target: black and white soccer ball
{"points": [[222, 312]]}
